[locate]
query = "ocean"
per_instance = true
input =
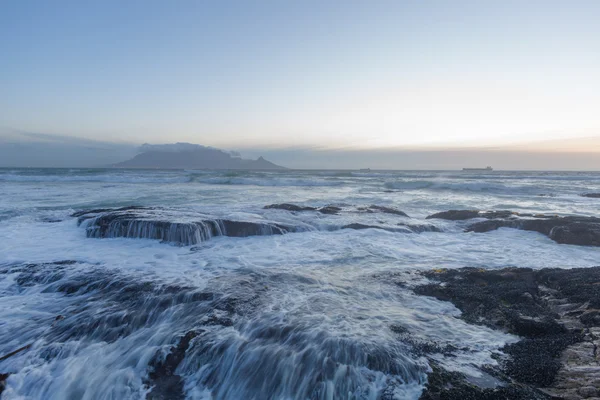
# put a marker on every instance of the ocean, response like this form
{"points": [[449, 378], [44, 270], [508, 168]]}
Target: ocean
{"points": [[313, 304]]}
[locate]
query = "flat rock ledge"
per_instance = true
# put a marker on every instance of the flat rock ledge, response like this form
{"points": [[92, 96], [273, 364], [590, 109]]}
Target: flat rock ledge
{"points": [[556, 312], [169, 226], [582, 231], [575, 230]]}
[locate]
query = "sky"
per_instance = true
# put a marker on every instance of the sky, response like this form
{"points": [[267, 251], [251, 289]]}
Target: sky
{"points": [[327, 75]]}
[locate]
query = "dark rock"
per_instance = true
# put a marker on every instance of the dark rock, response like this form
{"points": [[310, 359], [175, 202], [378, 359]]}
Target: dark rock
{"points": [[537, 361], [398, 329], [493, 298], [162, 379], [143, 223], [487, 226], [591, 195], [577, 285], [290, 207], [588, 391], [583, 231], [329, 210], [297, 208], [14, 352], [102, 210], [532, 304], [460, 215], [244, 229], [334, 209], [359, 226], [582, 234], [383, 209], [590, 318], [446, 385], [65, 262], [3, 378], [402, 228], [422, 228]]}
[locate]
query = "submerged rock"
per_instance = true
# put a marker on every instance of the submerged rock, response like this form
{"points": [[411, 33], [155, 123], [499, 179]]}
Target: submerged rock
{"points": [[359, 226], [405, 228], [169, 226], [297, 208], [461, 215], [591, 195], [330, 209], [102, 210]]}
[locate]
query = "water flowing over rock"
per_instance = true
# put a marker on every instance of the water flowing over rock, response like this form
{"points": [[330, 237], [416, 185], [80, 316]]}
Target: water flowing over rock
{"points": [[168, 226], [331, 209], [290, 207], [165, 383], [402, 228], [296, 208], [219, 339], [460, 215]]}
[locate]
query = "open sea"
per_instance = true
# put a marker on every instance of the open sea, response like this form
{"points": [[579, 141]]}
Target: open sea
{"points": [[323, 311]]}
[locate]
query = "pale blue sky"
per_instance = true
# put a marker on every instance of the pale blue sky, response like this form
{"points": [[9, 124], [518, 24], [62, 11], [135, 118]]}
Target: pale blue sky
{"points": [[335, 74]]}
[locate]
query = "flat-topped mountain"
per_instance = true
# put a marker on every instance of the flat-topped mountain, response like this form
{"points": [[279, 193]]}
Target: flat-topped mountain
{"points": [[192, 156]]}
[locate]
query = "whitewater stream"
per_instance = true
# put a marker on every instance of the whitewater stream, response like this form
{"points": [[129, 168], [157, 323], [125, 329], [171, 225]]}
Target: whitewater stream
{"points": [[203, 293]]}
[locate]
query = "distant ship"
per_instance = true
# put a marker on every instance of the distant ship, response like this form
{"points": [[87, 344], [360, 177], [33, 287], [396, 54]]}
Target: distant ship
{"points": [[479, 169], [365, 169]]}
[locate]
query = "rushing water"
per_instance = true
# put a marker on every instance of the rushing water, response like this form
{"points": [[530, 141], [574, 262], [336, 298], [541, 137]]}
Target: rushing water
{"points": [[319, 312]]}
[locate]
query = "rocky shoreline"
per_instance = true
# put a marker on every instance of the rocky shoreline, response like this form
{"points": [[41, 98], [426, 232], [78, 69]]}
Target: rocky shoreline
{"points": [[554, 311]]}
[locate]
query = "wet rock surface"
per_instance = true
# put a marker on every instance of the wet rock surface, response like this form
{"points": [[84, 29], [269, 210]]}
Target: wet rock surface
{"points": [[203, 344], [108, 307], [163, 380], [461, 215], [297, 208], [446, 385], [405, 228], [289, 207], [554, 311], [583, 231], [332, 210], [575, 230], [3, 378], [160, 224], [382, 209], [190, 228]]}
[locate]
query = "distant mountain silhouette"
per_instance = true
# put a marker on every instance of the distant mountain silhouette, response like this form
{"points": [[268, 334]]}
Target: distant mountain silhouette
{"points": [[192, 156]]}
